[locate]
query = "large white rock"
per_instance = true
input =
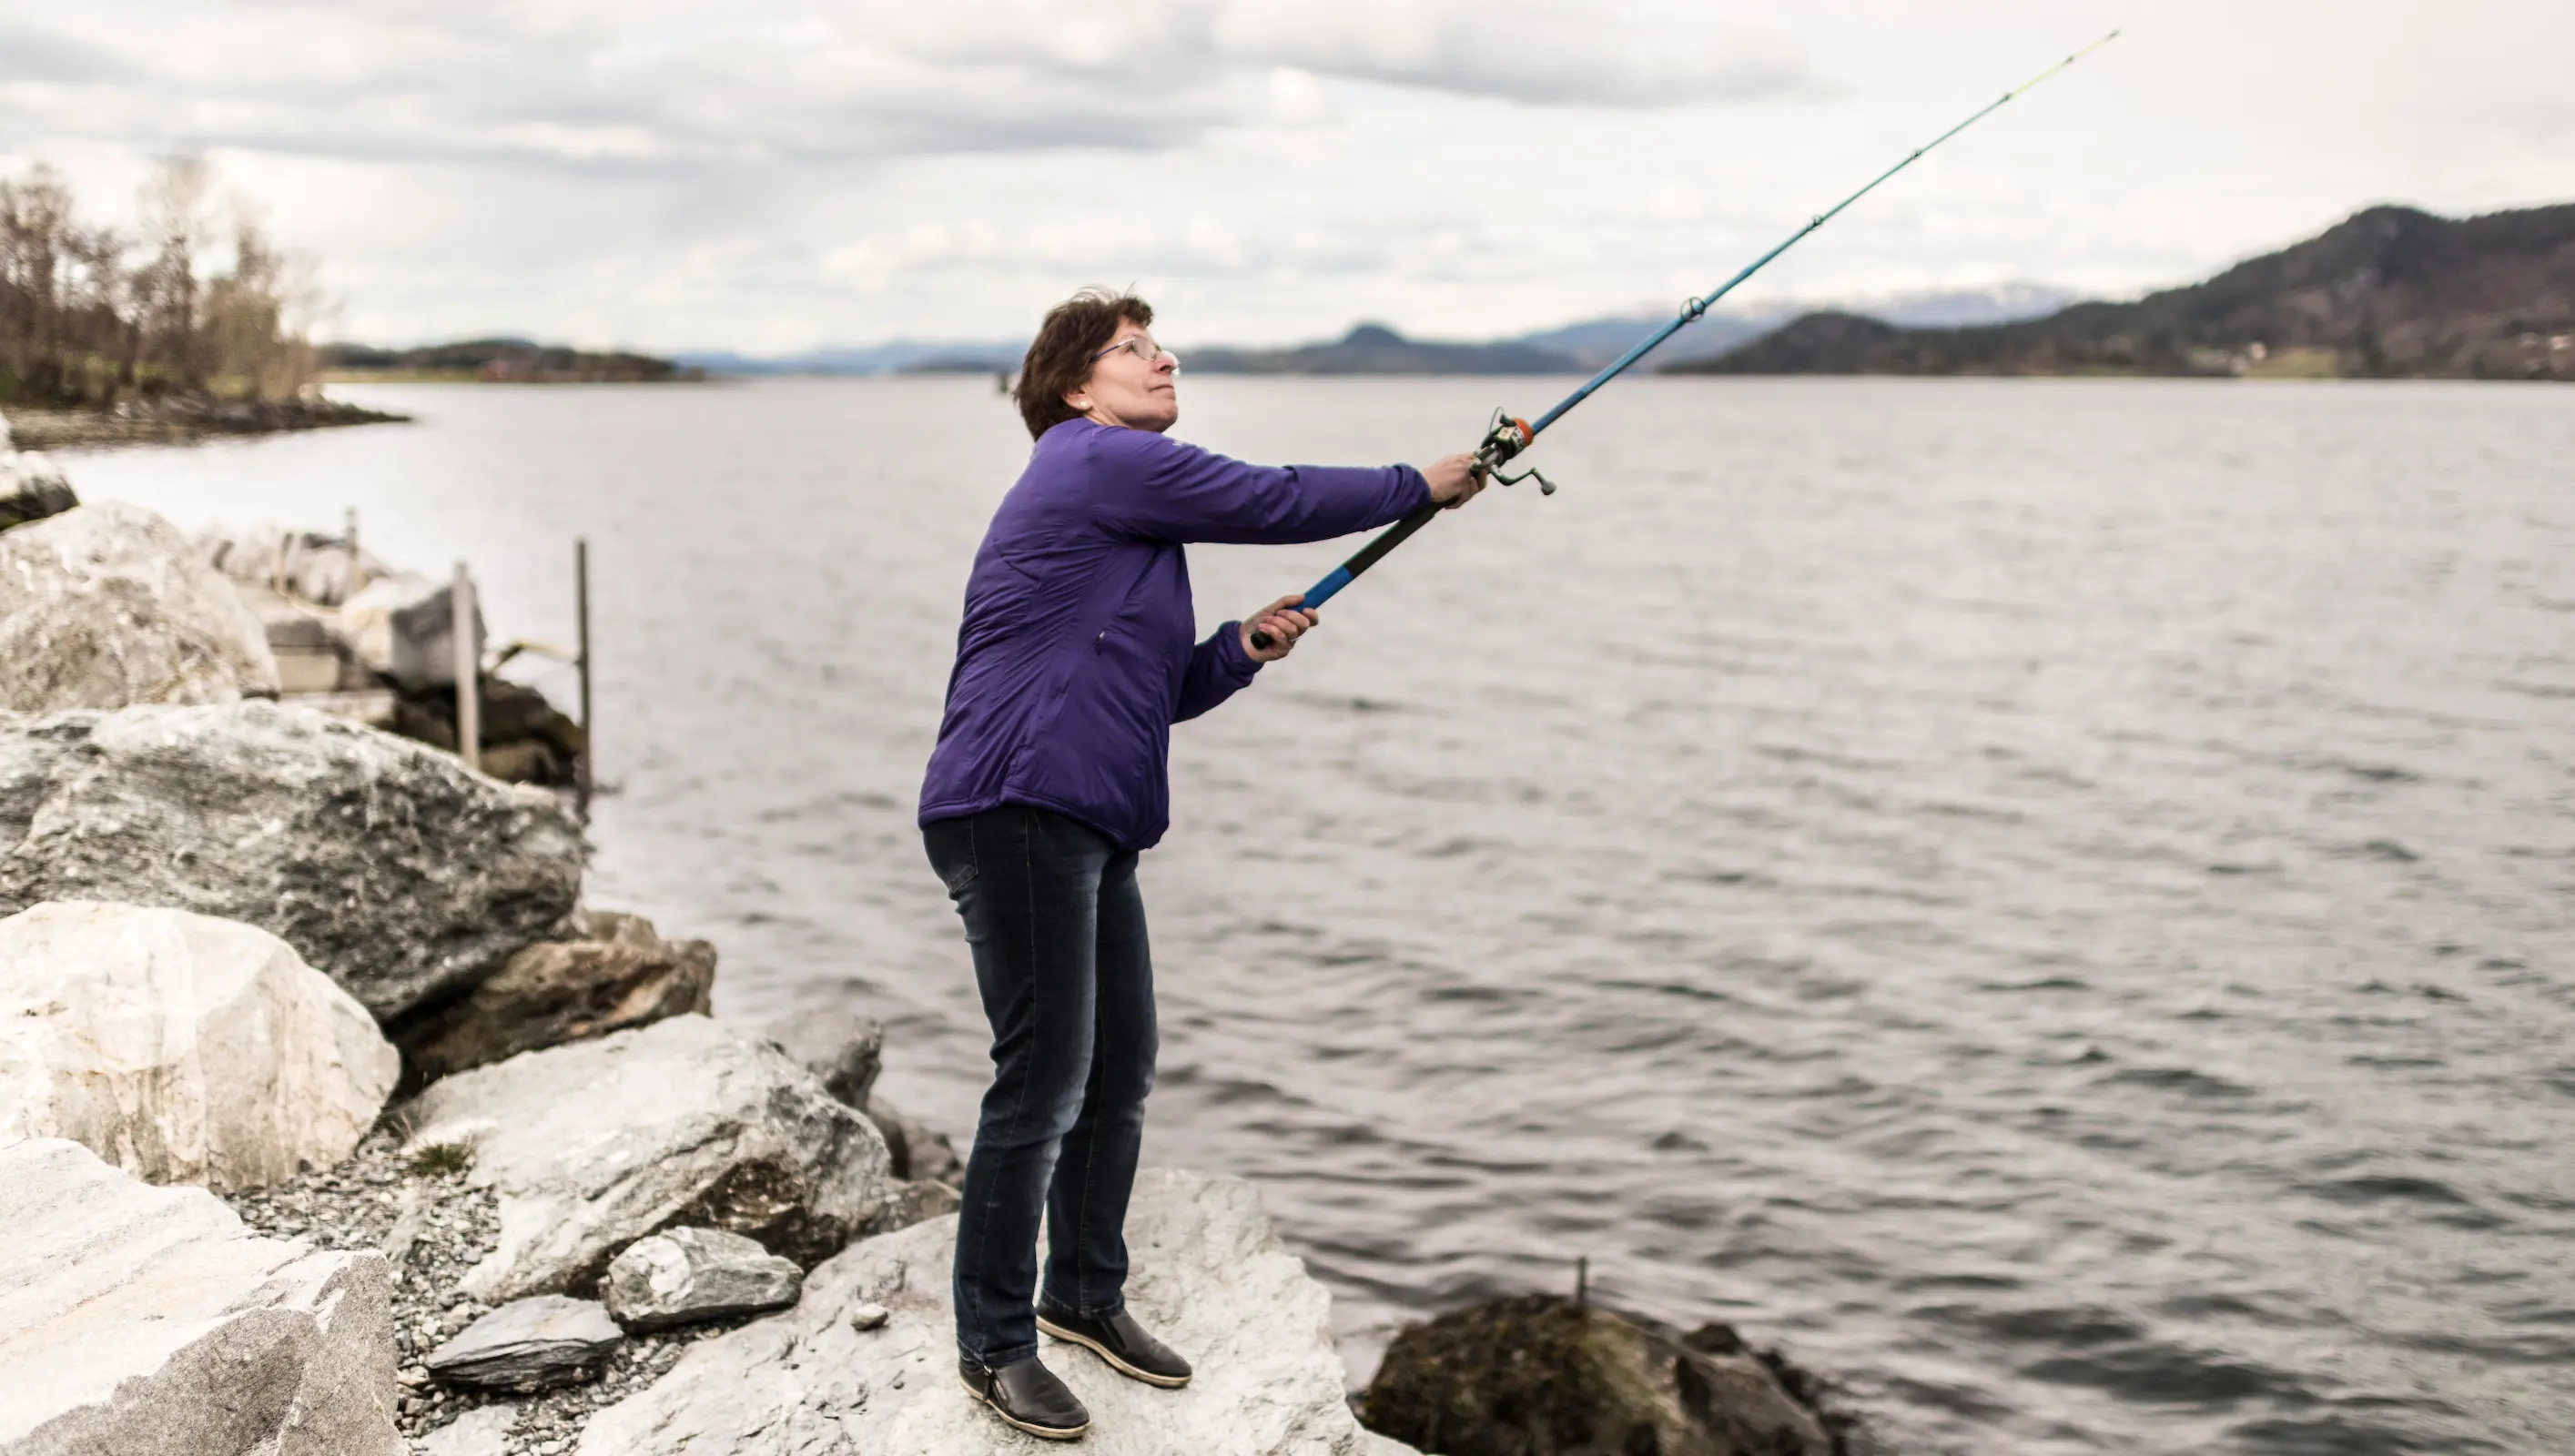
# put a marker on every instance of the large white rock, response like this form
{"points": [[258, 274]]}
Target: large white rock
{"points": [[1209, 1276], [141, 1319], [687, 1121], [180, 1047], [105, 606], [390, 866]]}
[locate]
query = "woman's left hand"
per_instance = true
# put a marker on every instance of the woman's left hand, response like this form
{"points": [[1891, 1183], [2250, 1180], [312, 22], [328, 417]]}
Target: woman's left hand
{"points": [[1282, 624]]}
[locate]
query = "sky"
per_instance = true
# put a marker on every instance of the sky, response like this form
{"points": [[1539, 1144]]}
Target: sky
{"points": [[771, 177]]}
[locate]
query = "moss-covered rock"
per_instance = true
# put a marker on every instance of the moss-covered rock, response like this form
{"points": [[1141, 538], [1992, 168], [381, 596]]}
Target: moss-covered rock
{"points": [[1541, 1375]]}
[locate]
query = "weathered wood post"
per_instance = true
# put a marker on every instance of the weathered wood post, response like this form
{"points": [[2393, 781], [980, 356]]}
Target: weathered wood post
{"points": [[589, 740], [468, 670]]}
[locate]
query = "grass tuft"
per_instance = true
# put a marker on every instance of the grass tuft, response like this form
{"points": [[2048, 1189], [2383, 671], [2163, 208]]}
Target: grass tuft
{"points": [[441, 1158]]}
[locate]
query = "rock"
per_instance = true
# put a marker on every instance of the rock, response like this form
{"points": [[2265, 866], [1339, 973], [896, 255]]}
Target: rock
{"points": [[180, 1047], [104, 606], [842, 1047], [311, 658], [31, 489], [1540, 1375], [916, 1201], [530, 1344], [320, 568], [559, 991], [918, 1152], [686, 1121], [146, 1319], [865, 1316], [404, 627], [482, 1431], [1209, 1276], [688, 1275], [390, 868], [31, 749]]}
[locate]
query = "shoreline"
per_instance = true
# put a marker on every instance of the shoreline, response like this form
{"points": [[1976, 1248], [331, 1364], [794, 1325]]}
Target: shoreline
{"points": [[183, 421], [469, 1099]]}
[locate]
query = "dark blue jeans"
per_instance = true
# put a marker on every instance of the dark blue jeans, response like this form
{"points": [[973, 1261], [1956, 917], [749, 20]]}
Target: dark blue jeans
{"points": [[1057, 931]]}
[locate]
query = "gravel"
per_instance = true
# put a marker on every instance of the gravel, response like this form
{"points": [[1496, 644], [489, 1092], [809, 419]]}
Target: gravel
{"points": [[432, 1226]]}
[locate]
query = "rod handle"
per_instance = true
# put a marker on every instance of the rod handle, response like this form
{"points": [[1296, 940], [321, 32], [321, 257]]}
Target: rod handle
{"points": [[1315, 596]]}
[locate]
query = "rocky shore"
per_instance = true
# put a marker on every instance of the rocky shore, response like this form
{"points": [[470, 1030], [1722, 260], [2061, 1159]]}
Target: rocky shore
{"points": [[178, 418], [333, 1122]]}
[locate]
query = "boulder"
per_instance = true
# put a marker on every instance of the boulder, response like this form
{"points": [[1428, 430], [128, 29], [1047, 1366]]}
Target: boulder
{"points": [[918, 1152], [686, 1121], [320, 569], [404, 627], [104, 606], [843, 1048], [31, 489], [530, 1344], [391, 867], [482, 1431], [689, 1276], [1542, 1375], [146, 1319], [559, 991], [916, 1201], [1208, 1275], [31, 746], [180, 1047]]}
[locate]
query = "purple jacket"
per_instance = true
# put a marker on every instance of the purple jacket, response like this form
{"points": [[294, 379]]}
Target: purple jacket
{"points": [[1074, 658]]}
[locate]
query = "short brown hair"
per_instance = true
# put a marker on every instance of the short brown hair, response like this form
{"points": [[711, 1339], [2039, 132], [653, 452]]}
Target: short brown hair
{"points": [[1059, 360]]}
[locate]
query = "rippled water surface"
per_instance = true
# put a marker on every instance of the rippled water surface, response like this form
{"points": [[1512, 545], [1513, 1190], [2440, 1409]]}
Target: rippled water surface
{"points": [[2055, 899]]}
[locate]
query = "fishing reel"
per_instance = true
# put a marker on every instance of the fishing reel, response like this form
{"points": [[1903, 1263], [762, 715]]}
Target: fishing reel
{"points": [[1505, 437]]}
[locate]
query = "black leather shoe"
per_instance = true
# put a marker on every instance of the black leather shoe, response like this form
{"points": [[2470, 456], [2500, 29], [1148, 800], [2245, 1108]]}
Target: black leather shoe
{"points": [[1120, 1341], [1026, 1394]]}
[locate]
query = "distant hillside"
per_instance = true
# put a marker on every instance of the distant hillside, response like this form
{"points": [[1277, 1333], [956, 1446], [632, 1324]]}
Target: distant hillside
{"points": [[1376, 349], [2390, 294], [1596, 342], [900, 356], [506, 361], [1575, 347]]}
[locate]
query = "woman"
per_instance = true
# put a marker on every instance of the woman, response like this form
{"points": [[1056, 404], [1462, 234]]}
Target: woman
{"points": [[1074, 661]]}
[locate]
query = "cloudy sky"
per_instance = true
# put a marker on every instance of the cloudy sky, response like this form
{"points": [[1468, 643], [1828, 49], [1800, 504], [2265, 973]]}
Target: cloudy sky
{"points": [[773, 176]]}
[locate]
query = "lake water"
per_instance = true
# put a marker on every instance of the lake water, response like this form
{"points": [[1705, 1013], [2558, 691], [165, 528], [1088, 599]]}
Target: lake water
{"points": [[2055, 899]]}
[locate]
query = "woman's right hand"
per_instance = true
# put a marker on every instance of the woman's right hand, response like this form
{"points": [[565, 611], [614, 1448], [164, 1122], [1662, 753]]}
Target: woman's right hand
{"points": [[1453, 480]]}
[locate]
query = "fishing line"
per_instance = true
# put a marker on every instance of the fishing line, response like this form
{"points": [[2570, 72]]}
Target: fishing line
{"points": [[1506, 437]]}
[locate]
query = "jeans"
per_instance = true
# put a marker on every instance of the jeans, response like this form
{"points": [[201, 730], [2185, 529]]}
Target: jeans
{"points": [[1057, 932]]}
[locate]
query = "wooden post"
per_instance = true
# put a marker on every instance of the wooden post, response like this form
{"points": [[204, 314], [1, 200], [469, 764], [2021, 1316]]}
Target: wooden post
{"points": [[469, 671], [581, 600], [1583, 1280]]}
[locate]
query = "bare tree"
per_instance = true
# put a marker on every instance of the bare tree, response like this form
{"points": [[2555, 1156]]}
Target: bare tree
{"points": [[193, 304]]}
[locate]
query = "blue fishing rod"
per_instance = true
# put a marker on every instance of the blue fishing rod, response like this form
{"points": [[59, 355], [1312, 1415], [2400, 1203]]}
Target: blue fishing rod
{"points": [[1506, 437]]}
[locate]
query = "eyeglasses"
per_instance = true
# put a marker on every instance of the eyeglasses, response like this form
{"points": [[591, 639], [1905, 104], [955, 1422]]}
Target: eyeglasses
{"points": [[1143, 347]]}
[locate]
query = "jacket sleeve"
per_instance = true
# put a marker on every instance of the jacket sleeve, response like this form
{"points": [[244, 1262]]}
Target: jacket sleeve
{"points": [[1219, 668], [1150, 488]]}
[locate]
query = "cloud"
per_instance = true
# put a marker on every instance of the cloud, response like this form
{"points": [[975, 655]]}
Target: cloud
{"points": [[680, 84], [1601, 52]]}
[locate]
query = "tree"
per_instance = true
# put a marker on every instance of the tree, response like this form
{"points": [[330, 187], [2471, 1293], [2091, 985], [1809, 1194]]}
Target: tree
{"points": [[203, 301]]}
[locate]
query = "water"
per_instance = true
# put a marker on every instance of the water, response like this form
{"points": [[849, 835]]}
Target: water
{"points": [[2055, 899]]}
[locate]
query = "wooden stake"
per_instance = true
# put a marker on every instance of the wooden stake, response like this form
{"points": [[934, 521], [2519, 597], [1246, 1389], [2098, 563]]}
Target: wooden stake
{"points": [[469, 671], [581, 596], [1583, 1280]]}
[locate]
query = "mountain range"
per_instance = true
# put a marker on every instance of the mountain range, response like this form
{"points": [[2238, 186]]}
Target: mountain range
{"points": [[2389, 293], [1372, 348]]}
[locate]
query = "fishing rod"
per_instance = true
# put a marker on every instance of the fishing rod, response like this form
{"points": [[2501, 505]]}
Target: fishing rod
{"points": [[1506, 437]]}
